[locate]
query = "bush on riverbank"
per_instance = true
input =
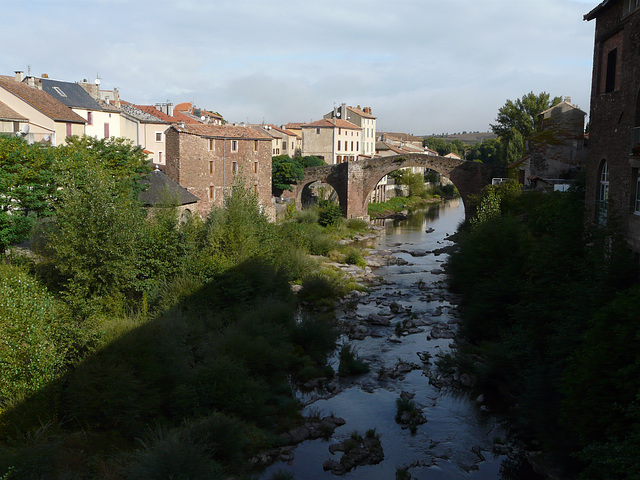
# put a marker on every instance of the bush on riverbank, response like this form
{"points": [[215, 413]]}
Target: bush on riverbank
{"points": [[533, 282]]}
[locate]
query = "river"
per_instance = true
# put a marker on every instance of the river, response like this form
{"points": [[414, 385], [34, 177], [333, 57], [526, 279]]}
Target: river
{"points": [[459, 439]]}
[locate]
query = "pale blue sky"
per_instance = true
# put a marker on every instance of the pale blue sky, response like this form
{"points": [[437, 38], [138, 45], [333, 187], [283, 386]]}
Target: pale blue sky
{"points": [[423, 66]]}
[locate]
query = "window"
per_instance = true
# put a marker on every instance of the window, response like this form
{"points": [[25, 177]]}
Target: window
{"points": [[159, 157], [630, 6], [255, 190], [90, 118], [59, 92], [255, 145], [211, 193], [158, 136], [234, 167], [357, 146], [637, 202], [211, 167], [338, 144], [318, 131], [106, 130], [69, 131], [610, 81], [255, 167], [339, 131], [234, 145], [212, 144], [603, 193], [352, 145]]}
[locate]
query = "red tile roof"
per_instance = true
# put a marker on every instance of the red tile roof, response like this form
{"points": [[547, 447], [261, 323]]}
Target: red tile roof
{"points": [[362, 113], [333, 123], [224, 131], [41, 101], [151, 110]]}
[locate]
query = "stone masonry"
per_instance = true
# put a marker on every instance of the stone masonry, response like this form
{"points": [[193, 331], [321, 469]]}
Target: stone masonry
{"points": [[354, 181], [206, 159], [615, 112]]}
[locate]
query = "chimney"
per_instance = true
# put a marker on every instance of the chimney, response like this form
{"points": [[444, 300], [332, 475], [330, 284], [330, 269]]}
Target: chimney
{"points": [[116, 97], [19, 76], [31, 81], [46, 75], [567, 99]]}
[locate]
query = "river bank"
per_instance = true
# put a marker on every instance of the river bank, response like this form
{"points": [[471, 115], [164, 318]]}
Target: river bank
{"points": [[400, 327]]}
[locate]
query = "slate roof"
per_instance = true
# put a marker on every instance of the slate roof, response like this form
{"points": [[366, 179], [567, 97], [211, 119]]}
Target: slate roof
{"points": [[333, 123], [41, 100], [163, 189], [135, 112], [223, 131], [70, 94], [7, 113]]}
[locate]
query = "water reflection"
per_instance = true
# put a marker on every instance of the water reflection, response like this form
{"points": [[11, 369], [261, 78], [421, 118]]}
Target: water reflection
{"points": [[457, 440]]}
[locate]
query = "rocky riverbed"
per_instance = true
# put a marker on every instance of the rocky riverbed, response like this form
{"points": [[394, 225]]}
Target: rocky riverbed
{"points": [[401, 327]]}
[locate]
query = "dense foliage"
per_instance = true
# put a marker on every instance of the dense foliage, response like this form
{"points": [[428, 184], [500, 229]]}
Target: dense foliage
{"points": [[545, 332], [135, 346], [287, 171], [27, 187]]}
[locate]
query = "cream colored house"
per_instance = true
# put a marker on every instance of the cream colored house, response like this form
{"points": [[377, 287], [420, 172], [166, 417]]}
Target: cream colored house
{"points": [[334, 141], [48, 120], [363, 118], [101, 121], [146, 126]]}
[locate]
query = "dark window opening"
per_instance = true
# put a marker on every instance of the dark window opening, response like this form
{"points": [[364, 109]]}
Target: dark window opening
{"points": [[610, 82]]}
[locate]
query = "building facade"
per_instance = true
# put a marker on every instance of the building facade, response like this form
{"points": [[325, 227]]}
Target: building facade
{"points": [[207, 159], [363, 118], [334, 140], [613, 166]]}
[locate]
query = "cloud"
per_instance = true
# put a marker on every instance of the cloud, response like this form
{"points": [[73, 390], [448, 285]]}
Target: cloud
{"points": [[422, 65]]}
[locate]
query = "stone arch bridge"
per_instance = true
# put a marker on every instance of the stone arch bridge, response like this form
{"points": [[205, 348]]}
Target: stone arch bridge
{"points": [[354, 181]]}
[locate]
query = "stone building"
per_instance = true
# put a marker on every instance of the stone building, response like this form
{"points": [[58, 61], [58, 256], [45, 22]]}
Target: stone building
{"points": [[558, 152], [613, 166], [205, 159]]}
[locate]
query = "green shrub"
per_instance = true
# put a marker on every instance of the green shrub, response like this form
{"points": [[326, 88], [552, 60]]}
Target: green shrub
{"points": [[37, 336], [353, 256], [329, 213], [350, 363]]}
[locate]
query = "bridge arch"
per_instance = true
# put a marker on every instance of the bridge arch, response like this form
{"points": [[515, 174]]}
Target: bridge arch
{"points": [[354, 181]]}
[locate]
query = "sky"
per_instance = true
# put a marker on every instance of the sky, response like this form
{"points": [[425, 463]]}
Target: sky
{"points": [[423, 66]]}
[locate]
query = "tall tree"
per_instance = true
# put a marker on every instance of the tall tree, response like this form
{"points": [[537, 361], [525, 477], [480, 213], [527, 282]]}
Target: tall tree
{"points": [[523, 114]]}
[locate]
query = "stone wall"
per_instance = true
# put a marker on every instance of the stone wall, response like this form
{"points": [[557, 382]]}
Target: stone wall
{"points": [[613, 115]]}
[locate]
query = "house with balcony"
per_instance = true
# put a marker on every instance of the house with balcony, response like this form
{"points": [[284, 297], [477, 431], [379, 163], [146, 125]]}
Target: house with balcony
{"points": [[613, 165], [47, 120]]}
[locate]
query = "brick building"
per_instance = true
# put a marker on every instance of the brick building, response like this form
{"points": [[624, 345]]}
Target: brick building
{"points": [[613, 171], [205, 159]]}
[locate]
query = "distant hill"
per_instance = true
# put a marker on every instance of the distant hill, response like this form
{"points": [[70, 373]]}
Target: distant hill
{"points": [[469, 138]]}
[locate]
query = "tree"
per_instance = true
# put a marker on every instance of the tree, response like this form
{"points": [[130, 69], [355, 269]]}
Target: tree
{"points": [[310, 161], [285, 172], [26, 188], [124, 162], [489, 151], [443, 146], [523, 114]]}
